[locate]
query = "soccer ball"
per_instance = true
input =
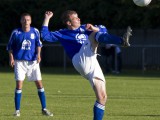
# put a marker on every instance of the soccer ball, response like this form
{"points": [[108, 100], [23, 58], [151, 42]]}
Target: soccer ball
{"points": [[142, 3]]}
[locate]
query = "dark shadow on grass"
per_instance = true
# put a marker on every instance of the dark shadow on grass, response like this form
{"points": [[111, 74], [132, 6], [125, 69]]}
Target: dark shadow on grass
{"points": [[72, 71], [138, 115], [23, 115], [134, 97], [125, 73], [152, 115], [45, 70]]}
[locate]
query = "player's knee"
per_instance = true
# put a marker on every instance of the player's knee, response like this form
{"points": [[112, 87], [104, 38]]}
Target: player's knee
{"points": [[102, 98], [105, 98], [39, 84]]}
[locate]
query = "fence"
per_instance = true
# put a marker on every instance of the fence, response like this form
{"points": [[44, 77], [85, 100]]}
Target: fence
{"points": [[134, 57], [142, 57], [143, 54]]}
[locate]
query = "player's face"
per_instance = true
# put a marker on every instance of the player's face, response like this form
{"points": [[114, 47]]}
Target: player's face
{"points": [[26, 21], [74, 21]]}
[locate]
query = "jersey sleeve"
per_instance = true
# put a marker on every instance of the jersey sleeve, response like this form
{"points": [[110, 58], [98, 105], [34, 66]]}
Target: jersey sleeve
{"points": [[38, 41], [48, 35], [102, 28], [9, 45]]}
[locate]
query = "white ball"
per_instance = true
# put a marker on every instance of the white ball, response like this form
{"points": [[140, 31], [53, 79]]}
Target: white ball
{"points": [[142, 3]]}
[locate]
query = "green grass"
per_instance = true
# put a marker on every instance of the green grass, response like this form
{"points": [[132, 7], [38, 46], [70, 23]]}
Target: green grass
{"points": [[132, 95]]}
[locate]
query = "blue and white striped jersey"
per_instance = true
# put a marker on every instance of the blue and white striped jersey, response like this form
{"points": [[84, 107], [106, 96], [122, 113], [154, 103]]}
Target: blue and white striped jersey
{"points": [[71, 40], [24, 44]]}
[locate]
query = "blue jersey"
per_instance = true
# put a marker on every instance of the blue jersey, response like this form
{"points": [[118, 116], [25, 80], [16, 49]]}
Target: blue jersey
{"points": [[24, 44], [71, 40]]}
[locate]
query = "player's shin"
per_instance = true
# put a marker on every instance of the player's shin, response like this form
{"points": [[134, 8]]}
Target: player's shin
{"points": [[17, 98], [108, 39], [42, 97], [98, 111]]}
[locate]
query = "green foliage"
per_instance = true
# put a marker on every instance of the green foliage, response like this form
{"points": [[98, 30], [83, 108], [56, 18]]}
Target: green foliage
{"points": [[111, 13]]}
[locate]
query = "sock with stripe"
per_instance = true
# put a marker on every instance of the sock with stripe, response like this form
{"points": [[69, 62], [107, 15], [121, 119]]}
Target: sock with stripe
{"points": [[17, 98], [98, 111], [42, 97]]}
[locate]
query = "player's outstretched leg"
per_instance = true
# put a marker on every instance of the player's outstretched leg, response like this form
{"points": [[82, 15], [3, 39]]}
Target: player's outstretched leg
{"points": [[104, 37]]}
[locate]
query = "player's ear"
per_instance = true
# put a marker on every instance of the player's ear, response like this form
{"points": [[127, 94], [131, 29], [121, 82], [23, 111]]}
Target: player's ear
{"points": [[68, 23]]}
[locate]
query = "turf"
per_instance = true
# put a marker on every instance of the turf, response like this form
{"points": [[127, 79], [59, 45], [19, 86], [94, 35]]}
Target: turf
{"points": [[132, 95]]}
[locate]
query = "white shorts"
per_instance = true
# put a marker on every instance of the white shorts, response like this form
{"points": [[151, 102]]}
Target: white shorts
{"points": [[30, 69], [85, 62]]}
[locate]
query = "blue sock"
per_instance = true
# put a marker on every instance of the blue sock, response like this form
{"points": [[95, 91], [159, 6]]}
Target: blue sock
{"points": [[17, 99], [108, 39], [98, 111], [42, 97]]}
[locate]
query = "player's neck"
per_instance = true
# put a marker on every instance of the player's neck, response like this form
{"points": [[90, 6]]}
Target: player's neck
{"points": [[72, 27], [26, 29]]}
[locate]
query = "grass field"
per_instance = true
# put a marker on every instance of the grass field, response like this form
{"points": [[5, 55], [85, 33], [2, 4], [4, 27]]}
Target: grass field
{"points": [[132, 95]]}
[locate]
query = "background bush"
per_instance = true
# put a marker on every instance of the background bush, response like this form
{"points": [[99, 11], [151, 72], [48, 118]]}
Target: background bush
{"points": [[111, 13]]}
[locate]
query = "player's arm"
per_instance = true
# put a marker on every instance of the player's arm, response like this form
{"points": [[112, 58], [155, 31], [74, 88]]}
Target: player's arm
{"points": [[47, 16], [10, 49], [11, 58], [38, 45], [47, 35], [38, 54], [90, 27]]}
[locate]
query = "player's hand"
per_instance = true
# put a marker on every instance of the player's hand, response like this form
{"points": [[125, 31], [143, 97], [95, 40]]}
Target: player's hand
{"points": [[11, 59], [11, 62], [90, 27], [48, 14], [38, 59]]}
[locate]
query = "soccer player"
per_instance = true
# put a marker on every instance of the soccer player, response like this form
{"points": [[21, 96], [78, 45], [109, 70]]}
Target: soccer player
{"points": [[80, 43], [24, 49]]}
